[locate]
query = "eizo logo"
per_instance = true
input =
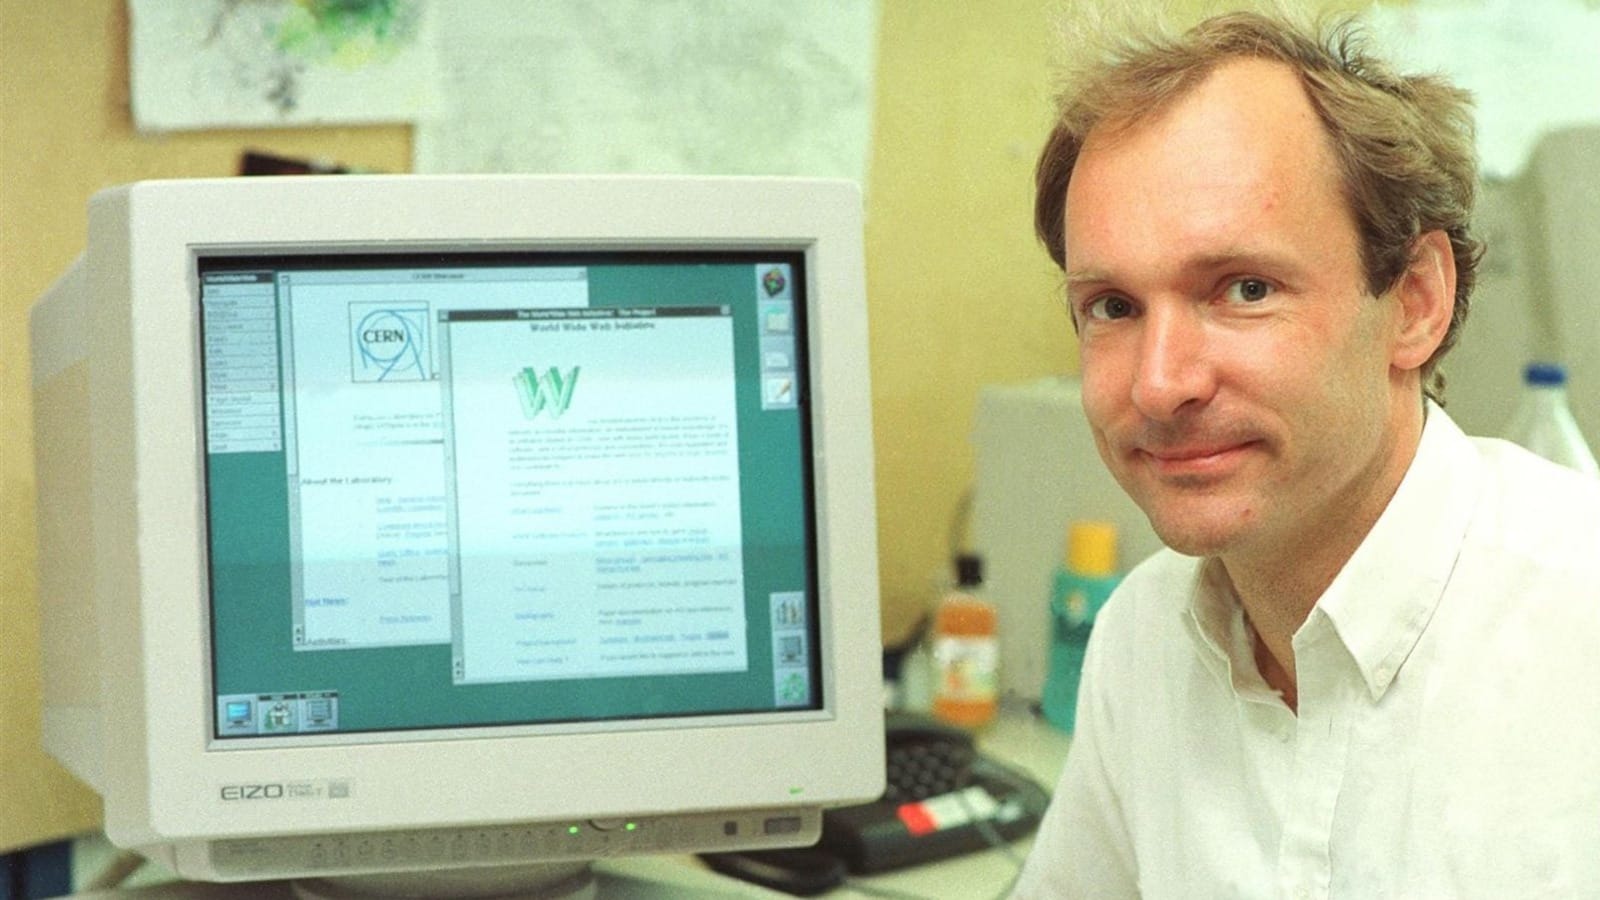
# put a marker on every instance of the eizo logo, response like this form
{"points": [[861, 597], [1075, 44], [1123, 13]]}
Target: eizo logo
{"points": [[252, 792], [552, 391]]}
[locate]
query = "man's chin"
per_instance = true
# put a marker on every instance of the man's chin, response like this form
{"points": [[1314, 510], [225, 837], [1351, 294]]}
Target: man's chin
{"points": [[1190, 544], [1195, 533]]}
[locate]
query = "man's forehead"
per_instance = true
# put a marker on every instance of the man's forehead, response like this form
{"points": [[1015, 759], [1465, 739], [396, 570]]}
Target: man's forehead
{"points": [[1242, 104], [1241, 149]]}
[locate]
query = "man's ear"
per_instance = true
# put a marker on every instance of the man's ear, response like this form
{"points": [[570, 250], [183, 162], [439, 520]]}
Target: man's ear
{"points": [[1427, 295]]}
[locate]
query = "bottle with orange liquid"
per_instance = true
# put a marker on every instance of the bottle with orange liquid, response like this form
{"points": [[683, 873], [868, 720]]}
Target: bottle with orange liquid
{"points": [[966, 651]]}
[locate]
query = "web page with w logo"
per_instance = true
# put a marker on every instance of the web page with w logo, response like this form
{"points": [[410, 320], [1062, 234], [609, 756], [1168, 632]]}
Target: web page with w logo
{"points": [[597, 528]]}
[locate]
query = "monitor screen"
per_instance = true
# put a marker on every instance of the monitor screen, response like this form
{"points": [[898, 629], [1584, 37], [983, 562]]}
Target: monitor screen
{"points": [[452, 491], [420, 523]]}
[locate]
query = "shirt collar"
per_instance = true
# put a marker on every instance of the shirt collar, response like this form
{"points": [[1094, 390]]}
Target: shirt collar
{"points": [[1383, 598], [1386, 593], [1217, 624]]}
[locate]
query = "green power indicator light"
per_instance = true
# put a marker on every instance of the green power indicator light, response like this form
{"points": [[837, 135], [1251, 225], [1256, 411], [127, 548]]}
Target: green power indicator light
{"points": [[796, 791], [572, 829], [631, 826]]}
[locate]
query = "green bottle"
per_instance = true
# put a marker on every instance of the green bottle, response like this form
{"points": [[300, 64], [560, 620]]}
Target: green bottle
{"points": [[1083, 583]]}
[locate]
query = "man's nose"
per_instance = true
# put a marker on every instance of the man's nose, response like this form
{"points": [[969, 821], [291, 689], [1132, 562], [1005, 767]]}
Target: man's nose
{"points": [[1175, 371]]}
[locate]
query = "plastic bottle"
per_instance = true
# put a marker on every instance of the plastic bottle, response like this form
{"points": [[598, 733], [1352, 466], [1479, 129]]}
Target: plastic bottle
{"points": [[1543, 420], [1083, 583], [966, 651], [916, 679]]}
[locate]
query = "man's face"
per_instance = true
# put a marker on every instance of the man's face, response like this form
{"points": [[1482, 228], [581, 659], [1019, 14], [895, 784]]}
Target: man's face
{"points": [[1236, 372]]}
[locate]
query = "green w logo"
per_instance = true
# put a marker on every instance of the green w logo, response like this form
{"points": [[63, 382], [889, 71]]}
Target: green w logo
{"points": [[552, 391]]}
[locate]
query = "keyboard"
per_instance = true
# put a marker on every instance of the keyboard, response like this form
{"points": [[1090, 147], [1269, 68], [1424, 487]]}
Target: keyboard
{"points": [[943, 798]]}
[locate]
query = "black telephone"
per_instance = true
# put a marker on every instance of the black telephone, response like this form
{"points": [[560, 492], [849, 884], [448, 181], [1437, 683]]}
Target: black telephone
{"points": [[943, 799]]}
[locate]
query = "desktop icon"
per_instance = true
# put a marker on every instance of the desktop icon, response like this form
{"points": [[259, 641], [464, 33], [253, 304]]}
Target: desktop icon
{"points": [[792, 650], [777, 319], [794, 689], [279, 716], [319, 713], [773, 282], [779, 392]]}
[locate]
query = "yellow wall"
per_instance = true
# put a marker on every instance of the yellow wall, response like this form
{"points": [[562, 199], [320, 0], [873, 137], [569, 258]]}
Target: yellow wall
{"points": [[960, 293]]}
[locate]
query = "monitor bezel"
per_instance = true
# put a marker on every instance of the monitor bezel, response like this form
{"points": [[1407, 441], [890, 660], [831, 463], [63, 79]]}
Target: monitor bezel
{"points": [[207, 259]]}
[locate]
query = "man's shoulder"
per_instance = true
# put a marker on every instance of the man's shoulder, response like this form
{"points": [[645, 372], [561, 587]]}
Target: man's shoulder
{"points": [[1533, 516], [1528, 502]]}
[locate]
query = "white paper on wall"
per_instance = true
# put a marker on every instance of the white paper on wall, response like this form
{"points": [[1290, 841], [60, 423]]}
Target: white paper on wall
{"points": [[273, 63], [660, 86], [1533, 65]]}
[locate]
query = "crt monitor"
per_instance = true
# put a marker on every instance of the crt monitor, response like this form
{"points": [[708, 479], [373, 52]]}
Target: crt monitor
{"points": [[422, 523]]}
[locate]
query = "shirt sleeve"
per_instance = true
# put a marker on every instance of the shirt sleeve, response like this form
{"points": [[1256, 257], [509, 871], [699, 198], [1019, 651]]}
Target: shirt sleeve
{"points": [[1082, 849]]}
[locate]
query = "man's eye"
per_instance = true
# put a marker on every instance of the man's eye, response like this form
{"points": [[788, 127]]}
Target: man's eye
{"points": [[1249, 290], [1109, 307]]}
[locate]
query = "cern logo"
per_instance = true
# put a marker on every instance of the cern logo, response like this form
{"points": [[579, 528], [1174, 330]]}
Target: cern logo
{"points": [[389, 343]]}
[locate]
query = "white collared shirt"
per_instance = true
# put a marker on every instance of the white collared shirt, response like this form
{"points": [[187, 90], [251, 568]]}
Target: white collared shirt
{"points": [[1447, 742]]}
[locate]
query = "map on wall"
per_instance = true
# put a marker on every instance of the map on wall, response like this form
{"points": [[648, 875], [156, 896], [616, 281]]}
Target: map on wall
{"points": [[243, 63], [660, 86], [773, 87]]}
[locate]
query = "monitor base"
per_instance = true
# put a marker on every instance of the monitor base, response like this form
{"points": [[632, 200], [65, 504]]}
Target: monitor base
{"points": [[627, 878], [547, 881]]}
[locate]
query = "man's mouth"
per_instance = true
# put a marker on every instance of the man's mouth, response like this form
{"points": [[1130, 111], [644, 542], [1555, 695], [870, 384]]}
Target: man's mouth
{"points": [[1207, 460]]}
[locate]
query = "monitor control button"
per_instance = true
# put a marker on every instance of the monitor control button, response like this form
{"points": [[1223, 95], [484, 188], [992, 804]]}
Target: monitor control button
{"points": [[782, 825]]}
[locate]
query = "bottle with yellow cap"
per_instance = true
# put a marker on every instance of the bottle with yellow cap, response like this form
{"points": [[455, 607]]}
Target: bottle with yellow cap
{"points": [[1083, 583]]}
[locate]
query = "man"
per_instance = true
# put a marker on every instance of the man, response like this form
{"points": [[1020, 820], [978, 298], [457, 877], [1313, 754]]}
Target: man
{"points": [[1367, 666]]}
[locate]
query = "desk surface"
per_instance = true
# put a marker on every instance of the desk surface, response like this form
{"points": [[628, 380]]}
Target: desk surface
{"points": [[1017, 737]]}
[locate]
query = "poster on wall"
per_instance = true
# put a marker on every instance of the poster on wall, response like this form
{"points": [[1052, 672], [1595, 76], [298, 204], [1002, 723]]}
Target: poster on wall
{"points": [[734, 87], [770, 87], [276, 63]]}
